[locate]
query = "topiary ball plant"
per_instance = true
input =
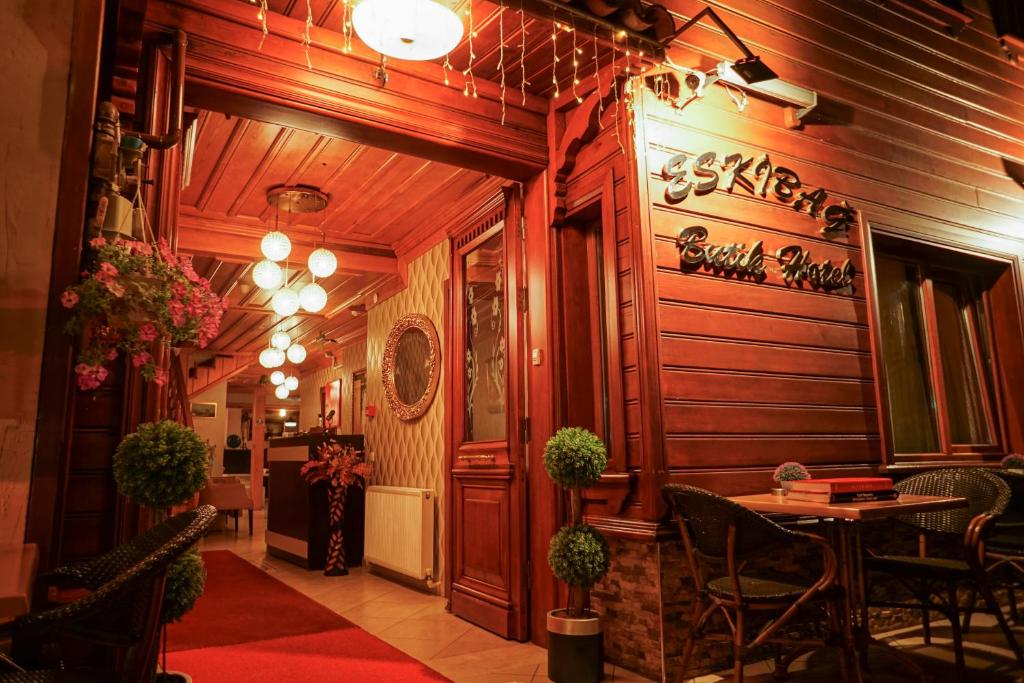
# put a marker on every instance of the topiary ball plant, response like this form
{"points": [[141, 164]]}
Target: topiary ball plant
{"points": [[1013, 461], [790, 471], [575, 458], [161, 464], [578, 555], [185, 580]]}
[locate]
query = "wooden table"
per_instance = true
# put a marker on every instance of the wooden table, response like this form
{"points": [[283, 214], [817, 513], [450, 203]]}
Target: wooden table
{"points": [[17, 572], [843, 521]]}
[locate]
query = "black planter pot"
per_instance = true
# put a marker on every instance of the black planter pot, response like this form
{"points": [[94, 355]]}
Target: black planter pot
{"points": [[575, 648]]}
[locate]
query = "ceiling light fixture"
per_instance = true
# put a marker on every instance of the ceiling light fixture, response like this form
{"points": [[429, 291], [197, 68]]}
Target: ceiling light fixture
{"points": [[281, 392], [282, 412], [291, 383], [277, 377], [313, 298], [415, 30], [322, 262], [276, 246], [271, 358], [280, 340], [267, 274], [285, 302], [296, 353]]}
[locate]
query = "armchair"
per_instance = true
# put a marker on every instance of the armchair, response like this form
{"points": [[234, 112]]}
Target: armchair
{"points": [[228, 495]]}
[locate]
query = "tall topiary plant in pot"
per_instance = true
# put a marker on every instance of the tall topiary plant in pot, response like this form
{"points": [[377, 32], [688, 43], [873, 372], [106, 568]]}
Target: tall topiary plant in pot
{"points": [[160, 465], [575, 458]]}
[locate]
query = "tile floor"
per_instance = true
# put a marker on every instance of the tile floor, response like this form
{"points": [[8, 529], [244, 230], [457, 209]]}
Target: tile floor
{"points": [[417, 624], [414, 622]]}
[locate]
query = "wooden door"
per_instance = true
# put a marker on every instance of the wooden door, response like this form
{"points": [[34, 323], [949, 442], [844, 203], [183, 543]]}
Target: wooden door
{"points": [[488, 482]]}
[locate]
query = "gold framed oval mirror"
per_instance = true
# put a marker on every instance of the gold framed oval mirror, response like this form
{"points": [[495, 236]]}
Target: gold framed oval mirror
{"points": [[411, 366]]}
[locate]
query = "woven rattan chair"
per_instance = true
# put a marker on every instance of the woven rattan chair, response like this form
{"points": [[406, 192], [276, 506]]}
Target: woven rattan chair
{"points": [[934, 580], [121, 614], [718, 532]]}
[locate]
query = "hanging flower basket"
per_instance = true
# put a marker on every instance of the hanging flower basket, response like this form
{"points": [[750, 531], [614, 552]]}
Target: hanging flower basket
{"points": [[131, 295], [340, 467]]}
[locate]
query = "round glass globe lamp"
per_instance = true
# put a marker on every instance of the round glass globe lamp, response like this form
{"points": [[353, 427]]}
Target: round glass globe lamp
{"points": [[277, 378], [296, 353], [322, 262], [285, 302], [276, 246], [291, 383], [416, 30], [271, 358], [267, 274], [281, 391], [280, 340], [313, 297]]}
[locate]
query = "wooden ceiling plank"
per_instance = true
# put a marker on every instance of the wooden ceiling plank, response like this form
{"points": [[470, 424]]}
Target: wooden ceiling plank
{"points": [[223, 162], [280, 140], [210, 145], [424, 195]]}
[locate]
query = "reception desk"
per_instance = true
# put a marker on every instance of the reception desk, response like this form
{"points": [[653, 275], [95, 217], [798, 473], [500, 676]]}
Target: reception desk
{"points": [[297, 515]]}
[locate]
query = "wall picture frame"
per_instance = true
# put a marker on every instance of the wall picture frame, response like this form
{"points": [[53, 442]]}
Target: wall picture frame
{"points": [[203, 409]]}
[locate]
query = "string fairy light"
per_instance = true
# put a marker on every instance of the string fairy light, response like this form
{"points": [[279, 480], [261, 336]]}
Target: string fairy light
{"points": [[576, 52], [522, 56], [261, 15], [597, 79], [554, 54], [501, 55], [306, 41], [615, 87], [446, 67], [470, 85], [346, 26]]}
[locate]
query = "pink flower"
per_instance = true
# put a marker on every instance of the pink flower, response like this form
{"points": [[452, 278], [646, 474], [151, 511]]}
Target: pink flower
{"points": [[111, 354], [140, 359], [69, 299], [141, 248], [160, 377], [114, 288], [106, 273], [147, 332], [97, 242], [90, 376]]}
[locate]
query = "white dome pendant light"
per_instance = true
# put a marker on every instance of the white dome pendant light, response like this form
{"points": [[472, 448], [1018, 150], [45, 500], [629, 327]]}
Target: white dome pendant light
{"points": [[415, 30], [277, 378], [281, 392], [271, 358], [285, 302], [267, 274], [291, 383], [276, 246], [322, 262], [280, 340], [313, 298], [296, 353]]}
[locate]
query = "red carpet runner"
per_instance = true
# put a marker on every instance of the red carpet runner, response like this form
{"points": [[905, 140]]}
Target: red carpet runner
{"points": [[250, 627]]}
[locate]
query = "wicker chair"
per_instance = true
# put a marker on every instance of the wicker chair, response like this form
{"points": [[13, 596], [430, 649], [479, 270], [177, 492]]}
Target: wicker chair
{"points": [[122, 613], [1004, 549], [934, 581], [717, 531]]}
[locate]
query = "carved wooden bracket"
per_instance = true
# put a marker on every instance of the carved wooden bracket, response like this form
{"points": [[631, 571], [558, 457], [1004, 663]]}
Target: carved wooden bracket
{"points": [[582, 125]]}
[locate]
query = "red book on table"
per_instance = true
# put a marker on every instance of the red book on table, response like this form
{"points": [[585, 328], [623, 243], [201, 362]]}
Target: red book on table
{"points": [[843, 485]]}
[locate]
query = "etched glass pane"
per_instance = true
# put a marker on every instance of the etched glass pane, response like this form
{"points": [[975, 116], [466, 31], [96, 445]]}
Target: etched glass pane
{"points": [[908, 385], [485, 341]]}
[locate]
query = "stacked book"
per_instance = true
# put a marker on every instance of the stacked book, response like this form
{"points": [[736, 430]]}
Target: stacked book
{"points": [[843, 490]]}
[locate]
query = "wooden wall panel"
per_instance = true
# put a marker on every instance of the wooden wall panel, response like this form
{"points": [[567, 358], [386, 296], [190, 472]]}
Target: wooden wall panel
{"points": [[914, 130]]}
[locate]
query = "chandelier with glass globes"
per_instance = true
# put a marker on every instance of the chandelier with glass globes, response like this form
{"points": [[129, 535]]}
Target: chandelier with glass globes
{"points": [[282, 348], [276, 247]]}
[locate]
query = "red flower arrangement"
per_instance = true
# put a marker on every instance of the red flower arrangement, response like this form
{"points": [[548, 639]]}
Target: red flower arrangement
{"points": [[132, 295], [340, 466]]}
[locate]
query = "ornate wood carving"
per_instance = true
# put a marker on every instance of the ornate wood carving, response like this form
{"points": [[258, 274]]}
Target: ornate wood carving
{"points": [[582, 125], [413, 321]]}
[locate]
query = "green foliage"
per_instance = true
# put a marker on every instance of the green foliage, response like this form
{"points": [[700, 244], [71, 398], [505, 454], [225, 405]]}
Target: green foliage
{"points": [[1014, 461], [234, 441], [578, 555], [160, 465], [185, 580], [791, 471], [575, 458]]}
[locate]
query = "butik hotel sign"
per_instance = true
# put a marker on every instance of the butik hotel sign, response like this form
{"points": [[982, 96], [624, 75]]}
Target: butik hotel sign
{"points": [[758, 176]]}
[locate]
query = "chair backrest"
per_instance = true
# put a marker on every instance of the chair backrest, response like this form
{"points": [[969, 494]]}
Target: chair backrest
{"points": [[706, 518], [124, 612], [226, 493], [985, 493]]}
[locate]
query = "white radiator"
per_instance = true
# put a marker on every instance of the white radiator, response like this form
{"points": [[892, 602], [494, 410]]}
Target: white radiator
{"points": [[400, 530]]}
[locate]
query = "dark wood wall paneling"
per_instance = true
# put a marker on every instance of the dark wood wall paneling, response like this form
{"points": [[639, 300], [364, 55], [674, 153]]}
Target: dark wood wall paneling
{"points": [[913, 131]]}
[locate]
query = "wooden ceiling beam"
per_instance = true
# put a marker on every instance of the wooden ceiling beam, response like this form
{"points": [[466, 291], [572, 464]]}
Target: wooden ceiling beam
{"points": [[415, 113], [238, 241]]}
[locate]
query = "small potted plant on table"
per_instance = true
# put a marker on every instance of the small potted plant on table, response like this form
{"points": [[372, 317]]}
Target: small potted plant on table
{"points": [[575, 458], [785, 474], [1014, 462]]}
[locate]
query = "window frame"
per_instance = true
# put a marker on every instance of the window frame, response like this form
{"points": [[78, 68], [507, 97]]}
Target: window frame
{"points": [[944, 263]]}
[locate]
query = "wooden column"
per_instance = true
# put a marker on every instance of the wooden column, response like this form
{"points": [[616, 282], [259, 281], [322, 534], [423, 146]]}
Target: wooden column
{"points": [[259, 410]]}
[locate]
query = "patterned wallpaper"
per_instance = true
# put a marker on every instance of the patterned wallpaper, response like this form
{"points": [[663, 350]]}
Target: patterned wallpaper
{"points": [[353, 359], [409, 453]]}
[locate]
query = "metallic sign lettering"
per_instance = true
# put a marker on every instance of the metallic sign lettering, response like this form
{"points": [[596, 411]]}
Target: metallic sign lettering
{"points": [[795, 262], [758, 176]]}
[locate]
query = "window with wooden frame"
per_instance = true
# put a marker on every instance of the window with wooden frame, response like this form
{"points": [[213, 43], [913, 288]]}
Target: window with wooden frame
{"points": [[940, 367]]}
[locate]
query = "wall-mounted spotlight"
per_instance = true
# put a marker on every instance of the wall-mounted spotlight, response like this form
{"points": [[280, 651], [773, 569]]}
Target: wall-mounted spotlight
{"points": [[751, 69]]}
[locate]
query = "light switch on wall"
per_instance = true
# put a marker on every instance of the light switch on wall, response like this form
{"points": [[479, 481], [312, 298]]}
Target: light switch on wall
{"points": [[537, 356]]}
